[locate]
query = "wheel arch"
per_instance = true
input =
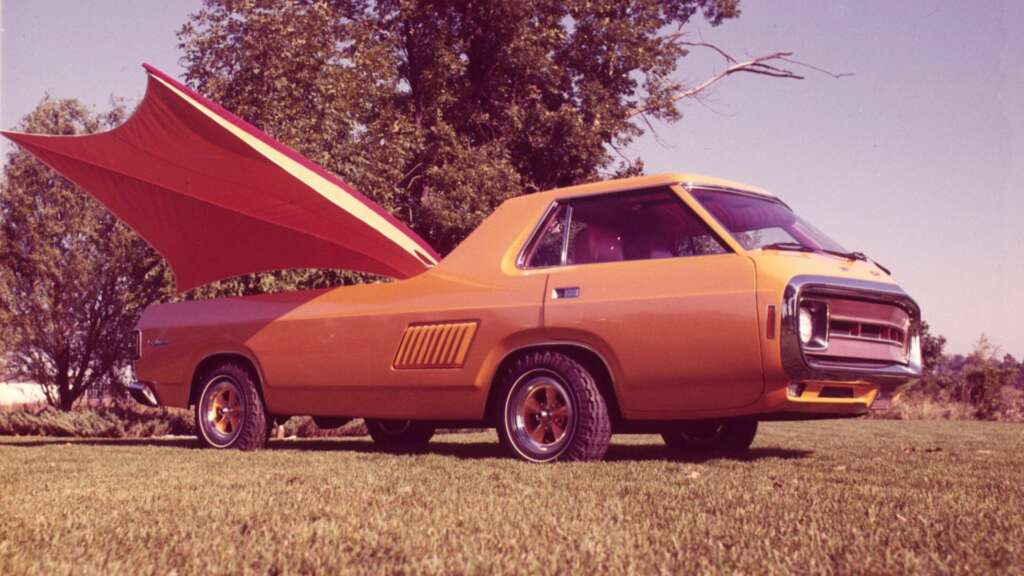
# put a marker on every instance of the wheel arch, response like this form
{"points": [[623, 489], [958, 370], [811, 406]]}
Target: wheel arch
{"points": [[590, 358], [210, 360]]}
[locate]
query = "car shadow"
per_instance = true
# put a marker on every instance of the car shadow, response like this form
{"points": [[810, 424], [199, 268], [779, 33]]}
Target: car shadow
{"points": [[483, 449], [472, 450]]}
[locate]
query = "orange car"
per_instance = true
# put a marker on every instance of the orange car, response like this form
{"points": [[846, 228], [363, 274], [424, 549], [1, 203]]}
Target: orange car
{"points": [[676, 304]]}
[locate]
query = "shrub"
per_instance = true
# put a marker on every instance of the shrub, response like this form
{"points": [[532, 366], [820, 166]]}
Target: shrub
{"points": [[133, 420]]}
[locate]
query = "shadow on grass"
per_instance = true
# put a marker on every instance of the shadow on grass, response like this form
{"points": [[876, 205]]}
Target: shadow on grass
{"points": [[473, 450], [491, 449]]}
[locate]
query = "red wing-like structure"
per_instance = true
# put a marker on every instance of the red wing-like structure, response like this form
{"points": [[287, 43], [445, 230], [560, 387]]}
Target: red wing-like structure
{"points": [[219, 198]]}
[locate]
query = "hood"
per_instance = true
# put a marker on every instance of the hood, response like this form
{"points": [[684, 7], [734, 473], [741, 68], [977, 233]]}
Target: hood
{"points": [[218, 198], [784, 265]]}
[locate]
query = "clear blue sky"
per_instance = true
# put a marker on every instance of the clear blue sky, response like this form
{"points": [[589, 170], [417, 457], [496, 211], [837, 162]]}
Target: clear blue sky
{"points": [[917, 160]]}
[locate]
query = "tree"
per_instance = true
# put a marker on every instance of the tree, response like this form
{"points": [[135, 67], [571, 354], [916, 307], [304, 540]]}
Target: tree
{"points": [[932, 346], [439, 109], [984, 376], [73, 280]]}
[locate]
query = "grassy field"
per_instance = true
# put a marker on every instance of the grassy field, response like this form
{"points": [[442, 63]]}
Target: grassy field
{"points": [[831, 497]]}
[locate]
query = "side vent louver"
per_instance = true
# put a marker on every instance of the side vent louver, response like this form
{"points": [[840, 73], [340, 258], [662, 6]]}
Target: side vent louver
{"points": [[435, 345]]}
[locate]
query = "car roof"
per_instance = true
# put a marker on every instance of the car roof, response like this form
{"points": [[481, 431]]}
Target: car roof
{"points": [[639, 182]]}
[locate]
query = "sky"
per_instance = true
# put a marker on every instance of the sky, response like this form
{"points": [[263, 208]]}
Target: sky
{"points": [[917, 159]]}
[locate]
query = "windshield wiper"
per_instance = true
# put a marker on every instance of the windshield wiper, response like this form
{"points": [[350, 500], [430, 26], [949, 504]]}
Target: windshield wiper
{"points": [[857, 256], [797, 247], [791, 246]]}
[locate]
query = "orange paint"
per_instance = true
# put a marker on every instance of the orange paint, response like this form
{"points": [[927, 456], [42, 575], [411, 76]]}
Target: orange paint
{"points": [[681, 337]]}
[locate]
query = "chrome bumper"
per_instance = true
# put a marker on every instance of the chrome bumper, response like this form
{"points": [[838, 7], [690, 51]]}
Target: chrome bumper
{"points": [[142, 393], [889, 378]]}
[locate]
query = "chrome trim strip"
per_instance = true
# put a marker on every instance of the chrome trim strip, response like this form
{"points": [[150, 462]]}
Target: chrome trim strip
{"points": [[800, 366], [567, 226]]}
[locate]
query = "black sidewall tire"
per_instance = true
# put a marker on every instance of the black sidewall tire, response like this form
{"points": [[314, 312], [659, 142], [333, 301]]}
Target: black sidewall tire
{"points": [[414, 437], [734, 437], [254, 423], [591, 431]]}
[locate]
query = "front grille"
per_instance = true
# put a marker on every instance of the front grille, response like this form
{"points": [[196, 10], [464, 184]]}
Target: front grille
{"points": [[861, 330], [867, 331]]}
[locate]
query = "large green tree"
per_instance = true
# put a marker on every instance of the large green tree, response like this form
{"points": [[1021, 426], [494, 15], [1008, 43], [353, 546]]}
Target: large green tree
{"points": [[441, 109], [73, 280]]}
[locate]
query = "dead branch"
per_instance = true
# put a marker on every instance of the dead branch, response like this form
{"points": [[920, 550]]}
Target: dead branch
{"points": [[767, 65]]}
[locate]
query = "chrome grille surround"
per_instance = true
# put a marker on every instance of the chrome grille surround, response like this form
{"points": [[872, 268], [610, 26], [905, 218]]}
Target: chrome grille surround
{"points": [[853, 358]]}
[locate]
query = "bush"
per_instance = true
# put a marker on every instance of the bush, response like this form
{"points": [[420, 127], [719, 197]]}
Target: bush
{"points": [[133, 420], [95, 420], [922, 404]]}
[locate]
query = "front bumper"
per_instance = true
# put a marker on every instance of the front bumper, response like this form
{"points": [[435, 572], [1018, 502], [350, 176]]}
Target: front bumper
{"points": [[863, 383], [143, 393]]}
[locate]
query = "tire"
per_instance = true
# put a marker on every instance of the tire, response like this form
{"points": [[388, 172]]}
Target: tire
{"points": [[400, 435], [732, 437], [230, 412], [551, 409]]}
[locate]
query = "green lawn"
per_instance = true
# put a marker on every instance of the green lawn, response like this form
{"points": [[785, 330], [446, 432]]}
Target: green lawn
{"points": [[839, 497]]}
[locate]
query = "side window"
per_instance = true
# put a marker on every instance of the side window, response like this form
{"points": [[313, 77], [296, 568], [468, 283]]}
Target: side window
{"points": [[639, 225], [547, 248]]}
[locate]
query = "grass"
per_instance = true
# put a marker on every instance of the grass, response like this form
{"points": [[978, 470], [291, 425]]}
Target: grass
{"points": [[864, 496]]}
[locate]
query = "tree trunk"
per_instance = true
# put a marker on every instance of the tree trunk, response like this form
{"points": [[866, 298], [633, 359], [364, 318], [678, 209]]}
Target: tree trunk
{"points": [[66, 400]]}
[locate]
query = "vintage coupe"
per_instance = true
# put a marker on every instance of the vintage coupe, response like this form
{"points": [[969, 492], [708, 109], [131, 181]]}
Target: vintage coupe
{"points": [[676, 304]]}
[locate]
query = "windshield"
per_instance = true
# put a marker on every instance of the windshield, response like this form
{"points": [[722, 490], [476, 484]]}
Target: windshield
{"points": [[757, 222]]}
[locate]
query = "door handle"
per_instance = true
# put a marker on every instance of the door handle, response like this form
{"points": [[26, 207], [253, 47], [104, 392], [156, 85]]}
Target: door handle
{"points": [[565, 292]]}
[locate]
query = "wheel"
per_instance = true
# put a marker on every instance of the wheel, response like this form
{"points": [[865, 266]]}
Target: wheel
{"points": [[725, 437], [551, 409], [230, 412], [405, 435]]}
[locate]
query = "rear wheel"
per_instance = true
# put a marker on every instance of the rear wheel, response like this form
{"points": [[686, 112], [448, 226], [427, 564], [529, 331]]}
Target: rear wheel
{"points": [[230, 412], [400, 434], [551, 409], [730, 437]]}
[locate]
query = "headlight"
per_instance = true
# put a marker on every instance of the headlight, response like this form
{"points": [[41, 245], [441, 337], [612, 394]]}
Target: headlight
{"points": [[812, 324], [806, 325]]}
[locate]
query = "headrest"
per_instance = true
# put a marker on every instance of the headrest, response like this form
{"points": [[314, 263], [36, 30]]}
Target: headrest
{"points": [[597, 244]]}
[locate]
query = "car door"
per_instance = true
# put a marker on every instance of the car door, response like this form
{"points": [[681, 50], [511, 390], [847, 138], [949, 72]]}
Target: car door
{"points": [[642, 278]]}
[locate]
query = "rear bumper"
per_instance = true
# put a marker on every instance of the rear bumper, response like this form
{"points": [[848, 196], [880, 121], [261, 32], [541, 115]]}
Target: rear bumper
{"points": [[143, 393]]}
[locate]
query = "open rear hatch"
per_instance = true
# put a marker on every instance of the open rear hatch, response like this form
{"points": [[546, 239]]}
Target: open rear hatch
{"points": [[218, 198]]}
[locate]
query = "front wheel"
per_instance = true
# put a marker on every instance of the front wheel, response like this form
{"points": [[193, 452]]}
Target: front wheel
{"points": [[731, 437], [404, 435], [552, 410], [230, 412]]}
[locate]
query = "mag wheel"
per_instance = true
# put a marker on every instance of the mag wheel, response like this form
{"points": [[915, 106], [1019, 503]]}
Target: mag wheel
{"points": [[403, 435], [552, 410], [230, 412], [726, 437]]}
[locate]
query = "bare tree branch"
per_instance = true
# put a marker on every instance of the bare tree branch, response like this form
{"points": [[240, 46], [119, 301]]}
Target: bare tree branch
{"points": [[835, 75], [766, 65]]}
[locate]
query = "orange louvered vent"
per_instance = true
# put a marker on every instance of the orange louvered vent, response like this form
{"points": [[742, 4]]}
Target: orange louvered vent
{"points": [[435, 345]]}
